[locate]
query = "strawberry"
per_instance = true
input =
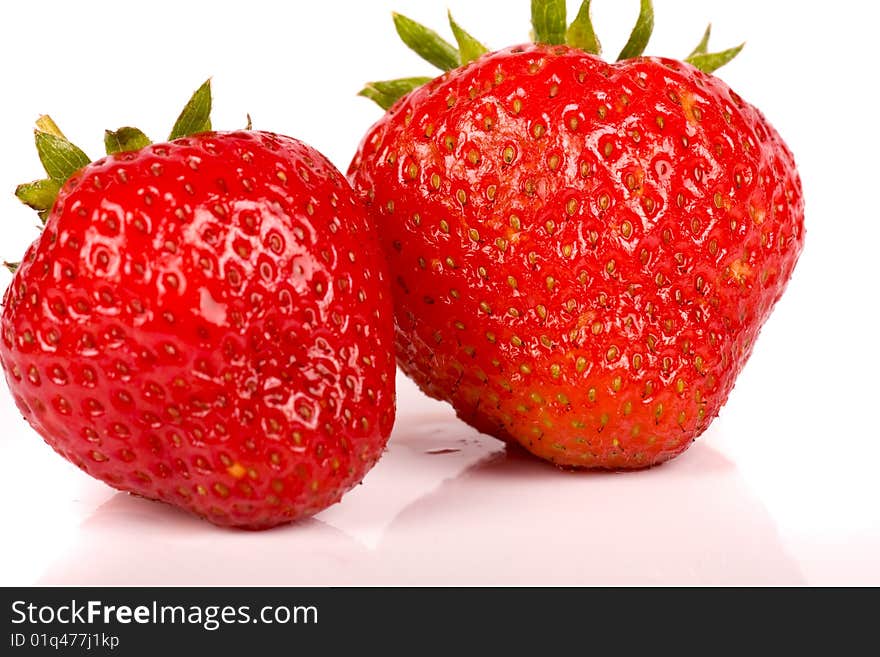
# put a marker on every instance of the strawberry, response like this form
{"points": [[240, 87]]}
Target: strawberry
{"points": [[204, 322], [582, 253]]}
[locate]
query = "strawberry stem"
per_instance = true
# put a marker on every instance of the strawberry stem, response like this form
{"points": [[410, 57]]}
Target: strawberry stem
{"points": [[641, 34], [426, 43], [468, 47], [703, 46], [548, 21], [711, 62], [196, 116], [581, 33], [548, 27], [46, 124], [385, 93], [125, 139], [60, 158], [39, 195]]}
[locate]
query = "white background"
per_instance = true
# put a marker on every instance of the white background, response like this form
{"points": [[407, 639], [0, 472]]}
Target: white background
{"points": [[782, 489]]}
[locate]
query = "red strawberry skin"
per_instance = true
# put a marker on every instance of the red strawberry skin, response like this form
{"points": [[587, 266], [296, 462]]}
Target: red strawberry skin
{"points": [[207, 322], [582, 254]]}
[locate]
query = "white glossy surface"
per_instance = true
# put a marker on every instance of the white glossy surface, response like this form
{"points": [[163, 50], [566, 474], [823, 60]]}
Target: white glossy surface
{"points": [[782, 489], [449, 506]]}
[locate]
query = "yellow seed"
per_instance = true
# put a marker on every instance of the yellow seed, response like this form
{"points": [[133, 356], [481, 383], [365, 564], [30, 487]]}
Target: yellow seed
{"points": [[237, 470]]}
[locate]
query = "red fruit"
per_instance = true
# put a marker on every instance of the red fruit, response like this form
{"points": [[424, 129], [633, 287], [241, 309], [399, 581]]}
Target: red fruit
{"points": [[206, 322], [582, 253]]}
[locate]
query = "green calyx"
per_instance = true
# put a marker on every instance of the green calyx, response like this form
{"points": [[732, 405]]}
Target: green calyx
{"points": [[61, 158], [549, 26]]}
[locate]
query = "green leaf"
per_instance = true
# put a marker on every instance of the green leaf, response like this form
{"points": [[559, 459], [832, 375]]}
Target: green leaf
{"points": [[581, 33], [196, 116], [60, 158], [711, 62], [46, 124], [548, 21], [426, 43], [703, 46], [12, 266], [387, 92], [40, 194], [468, 47], [641, 33], [125, 139]]}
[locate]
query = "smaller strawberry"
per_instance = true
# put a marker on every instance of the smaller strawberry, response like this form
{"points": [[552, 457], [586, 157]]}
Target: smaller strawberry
{"points": [[204, 322]]}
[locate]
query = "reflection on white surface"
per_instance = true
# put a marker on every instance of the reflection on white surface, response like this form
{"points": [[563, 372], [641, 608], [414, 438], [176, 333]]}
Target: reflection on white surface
{"points": [[447, 505]]}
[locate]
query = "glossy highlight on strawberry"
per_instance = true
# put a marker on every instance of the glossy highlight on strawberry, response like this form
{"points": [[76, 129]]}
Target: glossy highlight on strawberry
{"points": [[582, 253], [206, 322]]}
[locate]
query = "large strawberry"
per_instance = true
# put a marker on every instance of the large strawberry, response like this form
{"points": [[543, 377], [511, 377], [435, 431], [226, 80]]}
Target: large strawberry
{"points": [[204, 322], [582, 253]]}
